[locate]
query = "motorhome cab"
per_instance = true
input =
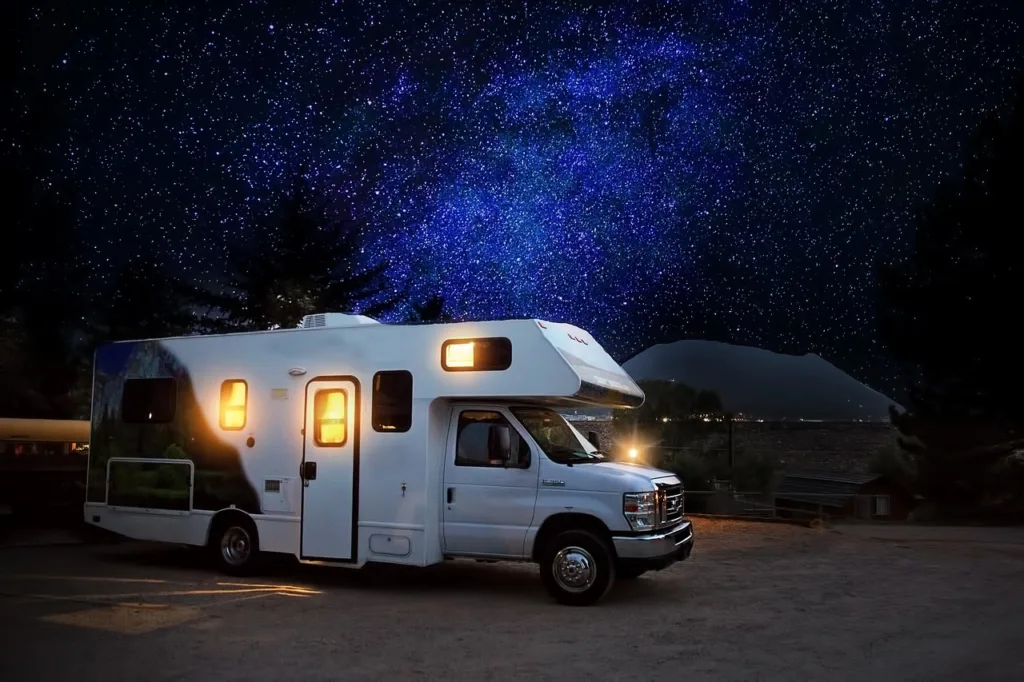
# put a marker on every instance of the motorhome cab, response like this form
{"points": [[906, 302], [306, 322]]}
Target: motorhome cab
{"points": [[347, 441]]}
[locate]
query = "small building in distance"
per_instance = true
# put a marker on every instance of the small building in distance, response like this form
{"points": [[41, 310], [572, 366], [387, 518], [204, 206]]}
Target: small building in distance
{"points": [[863, 496]]}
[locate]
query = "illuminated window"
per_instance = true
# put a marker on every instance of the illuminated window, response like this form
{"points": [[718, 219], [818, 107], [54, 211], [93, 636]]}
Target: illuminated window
{"points": [[329, 408], [480, 355], [234, 396]]}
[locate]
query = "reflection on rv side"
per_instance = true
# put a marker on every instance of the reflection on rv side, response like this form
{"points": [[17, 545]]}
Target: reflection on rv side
{"points": [[346, 441]]}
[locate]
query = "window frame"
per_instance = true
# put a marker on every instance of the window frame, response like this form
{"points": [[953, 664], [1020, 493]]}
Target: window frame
{"points": [[173, 412], [374, 418], [523, 443], [245, 405], [318, 421]]}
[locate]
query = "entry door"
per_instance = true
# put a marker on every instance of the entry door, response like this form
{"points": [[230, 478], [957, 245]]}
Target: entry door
{"points": [[328, 471], [488, 504]]}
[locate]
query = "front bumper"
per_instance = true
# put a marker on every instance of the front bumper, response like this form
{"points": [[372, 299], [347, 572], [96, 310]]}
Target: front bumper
{"points": [[659, 550]]}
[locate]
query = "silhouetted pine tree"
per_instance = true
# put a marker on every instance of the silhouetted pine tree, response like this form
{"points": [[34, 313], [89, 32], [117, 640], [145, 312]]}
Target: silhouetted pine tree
{"points": [[48, 308], [431, 310], [146, 300], [42, 276], [301, 261], [950, 314]]}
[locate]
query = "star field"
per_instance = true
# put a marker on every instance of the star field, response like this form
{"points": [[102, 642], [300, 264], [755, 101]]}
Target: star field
{"points": [[648, 170]]}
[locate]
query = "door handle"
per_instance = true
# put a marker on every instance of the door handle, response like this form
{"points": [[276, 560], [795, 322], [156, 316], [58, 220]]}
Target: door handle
{"points": [[451, 495], [308, 471]]}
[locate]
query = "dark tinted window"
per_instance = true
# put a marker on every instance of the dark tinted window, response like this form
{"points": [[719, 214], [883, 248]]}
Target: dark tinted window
{"points": [[391, 411], [148, 401], [477, 443]]}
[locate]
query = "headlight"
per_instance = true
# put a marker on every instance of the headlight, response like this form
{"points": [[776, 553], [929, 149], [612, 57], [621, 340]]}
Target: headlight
{"points": [[641, 510]]}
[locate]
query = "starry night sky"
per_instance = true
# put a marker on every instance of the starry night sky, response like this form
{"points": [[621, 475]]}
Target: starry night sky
{"points": [[648, 170]]}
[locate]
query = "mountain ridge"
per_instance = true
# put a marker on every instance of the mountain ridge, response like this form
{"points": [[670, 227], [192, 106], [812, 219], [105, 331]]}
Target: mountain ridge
{"points": [[762, 384]]}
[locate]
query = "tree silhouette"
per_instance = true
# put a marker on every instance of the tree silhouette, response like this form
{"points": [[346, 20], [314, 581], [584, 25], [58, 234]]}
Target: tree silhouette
{"points": [[431, 310], [45, 314], [949, 315], [44, 278], [146, 301], [302, 260]]}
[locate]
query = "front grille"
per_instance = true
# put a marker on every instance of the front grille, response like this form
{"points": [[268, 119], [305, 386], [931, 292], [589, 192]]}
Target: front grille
{"points": [[670, 504]]}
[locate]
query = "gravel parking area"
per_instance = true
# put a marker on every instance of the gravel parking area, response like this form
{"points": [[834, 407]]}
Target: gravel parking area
{"points": [[755, 602]]}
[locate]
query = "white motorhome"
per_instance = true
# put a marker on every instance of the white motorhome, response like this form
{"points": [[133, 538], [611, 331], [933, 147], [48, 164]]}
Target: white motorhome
{"points": [[347, 441]]}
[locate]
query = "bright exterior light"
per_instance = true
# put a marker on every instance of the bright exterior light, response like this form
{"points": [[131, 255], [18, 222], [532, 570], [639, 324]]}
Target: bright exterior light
{"points": [[633, 453], [330, 417], [233, 396], [459, 354]]}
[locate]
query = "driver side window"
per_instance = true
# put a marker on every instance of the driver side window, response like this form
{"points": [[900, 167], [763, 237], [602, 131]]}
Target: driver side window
{"points": [[486, 439]]}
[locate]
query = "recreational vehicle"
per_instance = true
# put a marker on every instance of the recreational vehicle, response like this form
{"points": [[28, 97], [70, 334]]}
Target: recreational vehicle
{"points": [[346, 441]]}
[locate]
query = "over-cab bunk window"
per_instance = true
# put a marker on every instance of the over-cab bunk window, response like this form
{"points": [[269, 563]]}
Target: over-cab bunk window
{"points": [[149, 401], [476, 355], [391, 411], [234, 399]]}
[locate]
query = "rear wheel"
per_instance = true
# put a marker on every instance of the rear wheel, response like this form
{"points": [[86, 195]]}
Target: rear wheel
{"points": [[235, 545], [577, 568]]}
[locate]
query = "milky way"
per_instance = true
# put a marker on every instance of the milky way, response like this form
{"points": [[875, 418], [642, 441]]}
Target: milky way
{"points": [[648, 170]]}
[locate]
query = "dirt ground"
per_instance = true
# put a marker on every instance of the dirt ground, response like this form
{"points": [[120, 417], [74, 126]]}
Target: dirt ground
{"points": [[755, 602]]}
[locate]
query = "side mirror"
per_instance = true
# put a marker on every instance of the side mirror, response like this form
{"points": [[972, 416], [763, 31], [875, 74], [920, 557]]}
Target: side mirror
{"points": [[592, 437], [499, 443]]}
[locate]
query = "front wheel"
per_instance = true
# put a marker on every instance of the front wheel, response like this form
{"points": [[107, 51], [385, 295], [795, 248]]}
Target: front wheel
{"points": [[577, 568]]}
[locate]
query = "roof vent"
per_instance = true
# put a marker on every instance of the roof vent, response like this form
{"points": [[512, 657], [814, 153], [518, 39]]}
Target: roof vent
{"points": [[335, 320]]}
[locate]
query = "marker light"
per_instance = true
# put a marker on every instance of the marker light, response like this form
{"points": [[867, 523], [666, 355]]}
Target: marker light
{"points": [[633, 453], [233, 398], [329, 414], [459, 354]]}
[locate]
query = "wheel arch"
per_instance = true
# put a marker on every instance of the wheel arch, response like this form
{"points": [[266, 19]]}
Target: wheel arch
{"points": [[229, 515], [557, 523]]}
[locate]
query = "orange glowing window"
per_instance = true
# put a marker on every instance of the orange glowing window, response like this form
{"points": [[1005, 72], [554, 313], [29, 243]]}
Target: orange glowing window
{"points": [[329, 411], [234, 396], [459, 355]]}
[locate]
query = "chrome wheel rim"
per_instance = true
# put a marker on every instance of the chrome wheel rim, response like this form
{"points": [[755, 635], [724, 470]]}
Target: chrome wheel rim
{"points": [[574, 569], [235, 546]]}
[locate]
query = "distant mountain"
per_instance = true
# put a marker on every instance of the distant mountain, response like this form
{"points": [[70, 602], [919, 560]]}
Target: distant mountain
{"points": [[761, 384]]}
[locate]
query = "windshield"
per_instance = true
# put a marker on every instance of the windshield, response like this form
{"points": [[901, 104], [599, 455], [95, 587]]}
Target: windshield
{"points": [[555, 436]]}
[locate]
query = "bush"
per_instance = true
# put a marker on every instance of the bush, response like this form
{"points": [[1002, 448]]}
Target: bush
{"points": [[694, 471], [892, 463], [752, 472]]}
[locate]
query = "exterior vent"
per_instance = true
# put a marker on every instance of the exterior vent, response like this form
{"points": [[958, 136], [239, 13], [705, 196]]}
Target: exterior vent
{"points": [[335, 320], [313, 321]]}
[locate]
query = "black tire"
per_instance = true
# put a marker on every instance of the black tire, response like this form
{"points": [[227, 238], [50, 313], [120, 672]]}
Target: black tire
{"points": [[629, 573], [581, 557], [235, 544]]}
